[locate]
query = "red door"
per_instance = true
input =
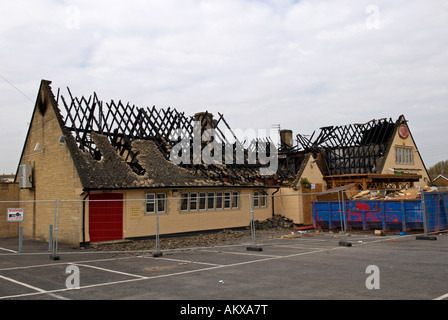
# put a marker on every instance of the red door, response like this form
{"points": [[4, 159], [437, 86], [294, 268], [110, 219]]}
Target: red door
{"points": [[106, 217]]}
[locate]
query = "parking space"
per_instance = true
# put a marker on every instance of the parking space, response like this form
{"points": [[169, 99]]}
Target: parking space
{"points": [[287, 269]]}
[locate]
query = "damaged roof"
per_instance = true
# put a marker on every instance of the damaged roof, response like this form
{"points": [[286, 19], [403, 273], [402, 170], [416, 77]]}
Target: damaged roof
{"points": [[121, 146], [354, 148]]}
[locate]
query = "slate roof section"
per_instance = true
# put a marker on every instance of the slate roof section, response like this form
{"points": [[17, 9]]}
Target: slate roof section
{"points": [[112, 172]]}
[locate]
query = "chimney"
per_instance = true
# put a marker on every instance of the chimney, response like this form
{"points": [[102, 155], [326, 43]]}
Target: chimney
{"points": [[286, 138], [206, 119]]}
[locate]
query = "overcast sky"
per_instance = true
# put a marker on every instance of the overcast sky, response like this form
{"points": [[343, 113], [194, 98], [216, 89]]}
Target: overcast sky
{"points": [[300, 64]]}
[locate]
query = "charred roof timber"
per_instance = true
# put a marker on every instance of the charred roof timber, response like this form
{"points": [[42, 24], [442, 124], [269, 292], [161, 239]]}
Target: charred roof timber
{"points": [[121, 146], [96, 125], [350, 149]]}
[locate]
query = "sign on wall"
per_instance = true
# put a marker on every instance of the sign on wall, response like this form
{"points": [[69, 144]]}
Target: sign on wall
{"points": [[135, 212], [403, 131], [15, 214]]}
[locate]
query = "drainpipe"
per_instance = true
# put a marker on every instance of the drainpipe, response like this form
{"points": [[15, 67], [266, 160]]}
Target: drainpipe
{"points": [[83, 243], [273, 213]]}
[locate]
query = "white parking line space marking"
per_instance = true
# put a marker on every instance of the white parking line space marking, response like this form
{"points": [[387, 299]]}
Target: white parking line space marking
{"points": [[445, 296], [142, 278], [39, 291], [8, 250], [109, 270]]}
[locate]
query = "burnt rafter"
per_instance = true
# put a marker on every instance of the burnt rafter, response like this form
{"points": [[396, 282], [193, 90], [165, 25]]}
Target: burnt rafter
{"points": [[124, 123], [350, 149]]}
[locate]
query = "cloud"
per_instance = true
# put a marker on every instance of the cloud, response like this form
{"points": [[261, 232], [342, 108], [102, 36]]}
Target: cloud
{"points": [[301, 64]]}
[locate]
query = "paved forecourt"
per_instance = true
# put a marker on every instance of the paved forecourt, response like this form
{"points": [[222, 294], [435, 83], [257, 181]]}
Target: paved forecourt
{"points": [[317, 267]]}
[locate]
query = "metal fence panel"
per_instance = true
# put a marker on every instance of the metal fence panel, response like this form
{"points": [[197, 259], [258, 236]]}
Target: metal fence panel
{"points": [[25, 220], [435, 211], [428, 212]]}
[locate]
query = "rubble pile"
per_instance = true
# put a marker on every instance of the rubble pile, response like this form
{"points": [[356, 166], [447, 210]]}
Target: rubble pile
{"points": [[200, 239], [276, 222], [206, 239]]}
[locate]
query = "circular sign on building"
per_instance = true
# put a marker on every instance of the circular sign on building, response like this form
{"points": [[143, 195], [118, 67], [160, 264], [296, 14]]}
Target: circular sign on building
{"points": [[403, 131]]}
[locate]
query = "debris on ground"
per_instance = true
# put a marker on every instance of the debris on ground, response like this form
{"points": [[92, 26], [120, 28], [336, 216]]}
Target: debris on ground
{"points": [[205, 239], [276, 221], [274, 225]]}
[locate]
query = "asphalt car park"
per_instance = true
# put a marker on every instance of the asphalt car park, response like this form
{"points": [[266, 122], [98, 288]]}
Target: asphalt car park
{"points": [[307, 268]]}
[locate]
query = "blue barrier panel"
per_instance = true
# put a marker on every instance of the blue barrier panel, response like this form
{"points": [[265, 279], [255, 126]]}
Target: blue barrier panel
{"points": [[444, 218], [432, 210], [369, 214], [366, 214], [414, 214], [393, 215], [385, 214], [327, 214], [436, 212]]}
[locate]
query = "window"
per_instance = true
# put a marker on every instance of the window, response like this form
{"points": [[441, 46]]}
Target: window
{"points": [[150, 203], [202, 201], [161, 202], [263, 199], [227, 200], [404, 155], [260, 199], [184, 202], [211, 201], [235, 199], [256, 198], [219, 198], [193, 201]]}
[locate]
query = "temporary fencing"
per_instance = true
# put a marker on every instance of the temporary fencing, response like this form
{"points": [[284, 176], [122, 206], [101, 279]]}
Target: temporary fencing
{"points": [[33, 219], [435, 210], [405, 210], [114, 223], [157, 223]]}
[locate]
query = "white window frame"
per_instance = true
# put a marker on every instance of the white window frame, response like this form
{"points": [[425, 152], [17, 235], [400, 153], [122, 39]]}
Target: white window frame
{"points": [[186, 199], [211, 195], [150, 202], [404, 155], [227, 200], [263, 199], [256, 199], [195, 198], [161, 198], [235, 200], [219, 199], [202, 197], [260, 199], [155, 202]]}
